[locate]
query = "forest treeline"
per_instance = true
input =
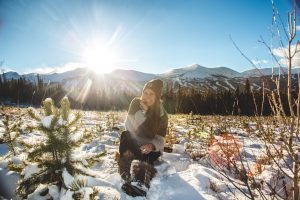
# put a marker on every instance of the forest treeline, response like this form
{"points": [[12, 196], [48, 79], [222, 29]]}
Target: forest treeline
{"points": [[221, 102]]}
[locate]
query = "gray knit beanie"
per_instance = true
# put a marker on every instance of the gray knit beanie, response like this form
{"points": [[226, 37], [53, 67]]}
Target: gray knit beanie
{"points": [[156, 85]]}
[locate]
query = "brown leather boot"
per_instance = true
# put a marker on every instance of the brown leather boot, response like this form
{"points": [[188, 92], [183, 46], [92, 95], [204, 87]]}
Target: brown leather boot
{"points": [[124, 163], [142, 172]]}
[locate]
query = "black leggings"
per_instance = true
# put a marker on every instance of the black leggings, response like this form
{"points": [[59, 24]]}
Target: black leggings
{"points": [[129, 143]]}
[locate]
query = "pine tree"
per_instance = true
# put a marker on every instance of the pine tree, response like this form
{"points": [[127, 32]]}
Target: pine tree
{"points": [[247, 87], [178, 99], [54, 153], [11, 132]]}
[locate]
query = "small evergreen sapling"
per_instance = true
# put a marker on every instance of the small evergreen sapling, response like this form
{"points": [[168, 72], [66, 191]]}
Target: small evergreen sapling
{"points": [[54, 153], [11, 132]]}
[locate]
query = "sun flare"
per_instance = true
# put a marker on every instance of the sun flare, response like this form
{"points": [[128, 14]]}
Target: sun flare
{"points": [[100, 58]]}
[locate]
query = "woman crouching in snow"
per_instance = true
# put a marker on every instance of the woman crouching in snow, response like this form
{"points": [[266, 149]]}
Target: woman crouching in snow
{"points": [[143, 140]]}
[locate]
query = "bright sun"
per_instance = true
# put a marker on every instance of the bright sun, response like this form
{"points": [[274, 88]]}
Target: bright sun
{"points": [[100, 58]]}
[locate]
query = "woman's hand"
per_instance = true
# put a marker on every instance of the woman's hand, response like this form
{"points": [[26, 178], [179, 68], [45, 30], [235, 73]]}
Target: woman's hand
{"points": [[147, 148], [144, 106]]}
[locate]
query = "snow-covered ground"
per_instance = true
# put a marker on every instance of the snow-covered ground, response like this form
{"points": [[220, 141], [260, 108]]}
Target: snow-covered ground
{"points": [[179, 176]]}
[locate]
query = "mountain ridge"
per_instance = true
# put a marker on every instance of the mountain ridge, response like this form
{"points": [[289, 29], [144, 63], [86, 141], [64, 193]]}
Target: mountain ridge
{"points": [[190, 71], [193, 76]]}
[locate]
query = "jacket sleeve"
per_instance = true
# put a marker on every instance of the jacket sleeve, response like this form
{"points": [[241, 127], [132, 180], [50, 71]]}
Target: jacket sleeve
{"points": [[134, 106], [135, 116], [159, 143], [137, 122], [145, 129]]}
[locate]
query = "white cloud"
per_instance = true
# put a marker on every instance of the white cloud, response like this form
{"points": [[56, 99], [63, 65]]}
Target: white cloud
{"points": [[298, 28], [257, 62], [59, 69], [282, 53]]}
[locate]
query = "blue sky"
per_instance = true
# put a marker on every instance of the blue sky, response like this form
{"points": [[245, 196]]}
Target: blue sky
{"points": [[145, 35]]}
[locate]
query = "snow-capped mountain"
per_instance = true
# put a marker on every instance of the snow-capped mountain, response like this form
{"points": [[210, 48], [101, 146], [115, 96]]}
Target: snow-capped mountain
{"points": [[58, 77], [267, 72], [131, 75], [12, 75], [197, 71]]}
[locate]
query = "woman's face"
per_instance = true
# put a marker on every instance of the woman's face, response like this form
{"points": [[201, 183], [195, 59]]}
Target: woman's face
{"points": [[148, 97]]}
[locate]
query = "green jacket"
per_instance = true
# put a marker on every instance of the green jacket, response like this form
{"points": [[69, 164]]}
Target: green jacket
{"points": [[136, 124]]}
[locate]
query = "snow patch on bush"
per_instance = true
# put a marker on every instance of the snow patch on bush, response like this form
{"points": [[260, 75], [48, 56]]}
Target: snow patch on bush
{"points": [[68, 178], [46, 121], [30, 170]]}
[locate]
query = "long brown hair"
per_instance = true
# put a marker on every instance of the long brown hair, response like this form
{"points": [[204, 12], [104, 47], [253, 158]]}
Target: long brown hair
{"points": [[153, 116]]}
